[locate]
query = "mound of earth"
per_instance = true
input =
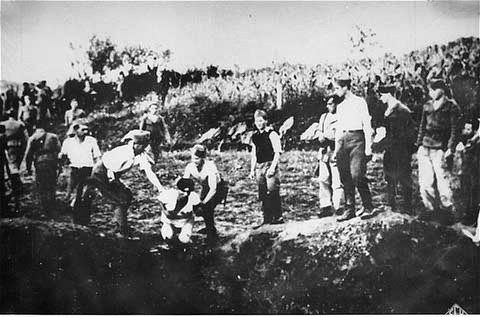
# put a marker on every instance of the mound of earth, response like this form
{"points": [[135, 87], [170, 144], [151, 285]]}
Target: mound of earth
{"points": [[388, 264]]}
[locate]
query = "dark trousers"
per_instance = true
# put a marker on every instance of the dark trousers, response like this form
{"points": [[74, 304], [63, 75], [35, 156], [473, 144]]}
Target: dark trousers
{"points": [[77, 179], [46, 180], [470, 186], [269, 192], [352, 166], [397, 169], [114, 191], [209, 208]]}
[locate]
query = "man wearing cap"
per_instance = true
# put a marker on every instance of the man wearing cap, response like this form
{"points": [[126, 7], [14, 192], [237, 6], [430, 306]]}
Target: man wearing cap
{"points": [[353, 140], [437, 140], [42, 149], [106, 175], [398, 145], [16, 140], [82, 151], [331, 189]]}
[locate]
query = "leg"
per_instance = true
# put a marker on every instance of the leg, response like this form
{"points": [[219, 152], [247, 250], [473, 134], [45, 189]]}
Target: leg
{"points": [[426, 178], [186, 232], [72, 181], [338, 196], [262, 192], [441, 175], [358, 167], [166, 231], [273, 198], [343, 166], [325, 189]]}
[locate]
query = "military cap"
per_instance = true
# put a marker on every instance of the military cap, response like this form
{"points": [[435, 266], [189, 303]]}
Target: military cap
{"points": [[185, 184], [138, 136]]}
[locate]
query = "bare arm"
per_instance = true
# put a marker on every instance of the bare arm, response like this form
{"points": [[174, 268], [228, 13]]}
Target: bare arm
{"points": [[152, 177], [253, 160]]}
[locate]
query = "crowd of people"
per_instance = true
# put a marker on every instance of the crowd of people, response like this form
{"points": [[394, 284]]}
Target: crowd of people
{"points": [[426, 102]]}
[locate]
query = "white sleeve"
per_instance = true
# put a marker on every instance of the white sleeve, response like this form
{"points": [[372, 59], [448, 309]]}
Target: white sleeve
{"points": [[188, 171], [366, 118], [276, 143], [64, 148], [143, 161]]}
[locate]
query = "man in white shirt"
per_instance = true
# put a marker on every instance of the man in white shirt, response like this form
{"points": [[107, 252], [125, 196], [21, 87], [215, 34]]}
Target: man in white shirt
{"points": [[353, 148], [82, 152], [106, 178]]}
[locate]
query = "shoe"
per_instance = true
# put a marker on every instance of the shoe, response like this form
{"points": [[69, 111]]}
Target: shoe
{"points": [[326, 212], [347, 215], [277, 221], [368, 213]]}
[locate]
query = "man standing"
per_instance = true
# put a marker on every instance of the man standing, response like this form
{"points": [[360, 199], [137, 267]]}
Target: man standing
{"points": [[266, 149], [154, 124], [437, 138], [16, 138], [398, 145], [82, 151], [353, 142], [331, 189], [106, 178], [42, 149]]}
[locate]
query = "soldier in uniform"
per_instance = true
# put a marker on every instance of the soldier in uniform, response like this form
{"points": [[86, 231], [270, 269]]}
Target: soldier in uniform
{"points": [[16, 138], [399, 145], [106, 175], [331, 189], [43, 148]]}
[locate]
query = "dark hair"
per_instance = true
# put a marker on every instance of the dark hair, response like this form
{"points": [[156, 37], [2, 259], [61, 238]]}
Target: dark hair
{"points": [[185, 184]]}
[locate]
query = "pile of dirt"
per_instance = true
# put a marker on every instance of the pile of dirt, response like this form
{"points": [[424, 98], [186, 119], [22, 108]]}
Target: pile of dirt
{"points": [[389, 264]]}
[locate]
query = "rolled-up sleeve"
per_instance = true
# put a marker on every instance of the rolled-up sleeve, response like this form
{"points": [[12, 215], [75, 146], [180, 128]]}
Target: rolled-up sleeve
{"points": [[276, 143]]}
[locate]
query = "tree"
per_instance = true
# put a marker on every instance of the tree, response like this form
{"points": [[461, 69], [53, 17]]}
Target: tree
{"points": [[101, 53]]}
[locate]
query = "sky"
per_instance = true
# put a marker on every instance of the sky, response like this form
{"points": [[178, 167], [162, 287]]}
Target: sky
{"points": [[35, 36]]}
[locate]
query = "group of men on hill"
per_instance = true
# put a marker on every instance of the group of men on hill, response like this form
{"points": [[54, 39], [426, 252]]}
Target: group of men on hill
{"points": [[347, 142]]}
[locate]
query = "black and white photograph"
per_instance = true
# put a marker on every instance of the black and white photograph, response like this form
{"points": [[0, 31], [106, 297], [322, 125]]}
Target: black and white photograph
{"points": [[240, 157]]}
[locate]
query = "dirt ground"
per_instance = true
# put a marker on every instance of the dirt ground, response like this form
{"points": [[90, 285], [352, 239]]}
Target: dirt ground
{"points": [[389, 264]]}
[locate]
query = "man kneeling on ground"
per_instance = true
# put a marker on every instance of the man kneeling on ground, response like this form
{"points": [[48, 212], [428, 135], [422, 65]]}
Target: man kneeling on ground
{"points": [[177, 216]]}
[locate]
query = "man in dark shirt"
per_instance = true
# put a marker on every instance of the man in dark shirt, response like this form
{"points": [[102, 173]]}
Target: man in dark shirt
{"points": [[43, 148], [266, 148], [437, 138], [398, 145]]}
